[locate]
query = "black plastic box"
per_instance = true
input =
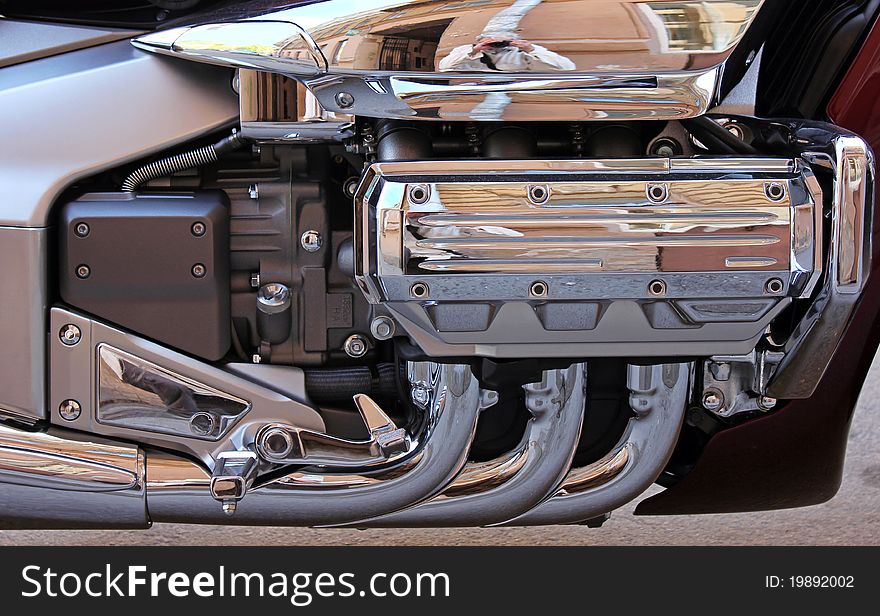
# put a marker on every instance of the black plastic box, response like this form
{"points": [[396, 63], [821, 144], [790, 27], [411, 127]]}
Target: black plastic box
{"points": [[156, 264]]}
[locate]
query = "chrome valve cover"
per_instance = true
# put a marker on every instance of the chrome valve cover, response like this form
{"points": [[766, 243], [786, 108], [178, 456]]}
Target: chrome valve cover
{"points": [[588, 257]]}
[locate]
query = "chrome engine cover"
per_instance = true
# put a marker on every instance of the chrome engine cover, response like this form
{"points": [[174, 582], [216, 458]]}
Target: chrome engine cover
{"points": [[565, 258]]}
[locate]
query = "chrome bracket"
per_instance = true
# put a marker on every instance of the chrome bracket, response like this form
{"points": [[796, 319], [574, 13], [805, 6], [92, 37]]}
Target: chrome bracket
{"points": [[284, 444], [233, 475]]}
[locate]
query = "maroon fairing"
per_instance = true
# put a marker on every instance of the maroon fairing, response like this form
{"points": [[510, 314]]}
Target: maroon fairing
{"points": [[794, 457]]}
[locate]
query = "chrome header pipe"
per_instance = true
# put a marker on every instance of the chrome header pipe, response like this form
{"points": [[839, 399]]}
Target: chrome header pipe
{"points": [[658, 396], [496, 491], [179, 490]]}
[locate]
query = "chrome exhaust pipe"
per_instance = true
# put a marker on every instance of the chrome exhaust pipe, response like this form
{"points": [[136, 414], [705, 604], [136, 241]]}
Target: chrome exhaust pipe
{"points": [[48, 480], [494, 492], [179, 490], [658, 396]]}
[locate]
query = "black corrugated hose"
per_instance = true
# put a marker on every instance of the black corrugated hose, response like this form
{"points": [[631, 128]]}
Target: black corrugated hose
{"points": [[180, 162]]}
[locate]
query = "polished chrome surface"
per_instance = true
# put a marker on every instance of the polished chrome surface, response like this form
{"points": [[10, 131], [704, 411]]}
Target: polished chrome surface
{"points": [[815, 338], [446, 59], [135, 393], [648, 251], [591, 225], [153, 395], [279, 109], [496, 491], [179, 490], [67, 480], [285, 444], [659, 397], [233, 475], [273, 45]]}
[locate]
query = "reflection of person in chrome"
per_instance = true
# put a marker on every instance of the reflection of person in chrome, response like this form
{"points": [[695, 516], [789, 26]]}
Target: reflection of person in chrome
{"points": [[503, 51]]}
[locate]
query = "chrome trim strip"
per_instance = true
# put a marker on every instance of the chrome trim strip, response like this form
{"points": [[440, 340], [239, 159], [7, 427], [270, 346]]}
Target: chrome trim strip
{"points": [[810, 348]]}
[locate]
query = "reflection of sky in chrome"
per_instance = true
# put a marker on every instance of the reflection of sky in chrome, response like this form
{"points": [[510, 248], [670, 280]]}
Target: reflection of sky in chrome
{"points": [[308, 17]]}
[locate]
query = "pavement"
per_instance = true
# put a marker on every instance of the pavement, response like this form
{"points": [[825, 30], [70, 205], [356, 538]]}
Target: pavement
{"points": [[851, 518]]}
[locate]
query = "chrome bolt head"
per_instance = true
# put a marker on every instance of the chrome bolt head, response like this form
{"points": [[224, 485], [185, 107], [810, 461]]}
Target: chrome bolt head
{"points": [[420, 395], [70, 334], [350, 186], [355, 346], [713, 400], [83, 271], [344, 100], [199, 270], [311, 241], [766, 402], [775, 191], [81, 229], [382, 328], [657, 193], [198, 229], [254, 191], [69, 410], [202, 423]]}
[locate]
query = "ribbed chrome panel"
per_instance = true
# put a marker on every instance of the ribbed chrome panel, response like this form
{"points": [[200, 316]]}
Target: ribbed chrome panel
{"points": [[487, 218]]}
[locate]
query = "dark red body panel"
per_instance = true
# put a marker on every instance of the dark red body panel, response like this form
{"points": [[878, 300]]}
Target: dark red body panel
{"points": [[794, 457]]}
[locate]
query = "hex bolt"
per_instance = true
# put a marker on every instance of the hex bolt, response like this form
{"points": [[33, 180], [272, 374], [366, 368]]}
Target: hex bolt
{"points": [[419, 290], [276, 443], [766, 402], [81, 229], [382, 328], [344, 100], [538, 289], [198, 229], [420, 395], [202, 423], [774, 191], [713, 400], [774, 285], [350, 186], [70, 334], [539, 194], [657, 288], [735, 129], [355, 346], [666, 147], [419, 193], [657, 193], [199, 270], [83, 271], [69, 410], [311, 241]]}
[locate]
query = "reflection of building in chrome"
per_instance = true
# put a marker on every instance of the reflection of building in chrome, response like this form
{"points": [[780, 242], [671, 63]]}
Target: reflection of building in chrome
{"points": [[592, 34]]}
